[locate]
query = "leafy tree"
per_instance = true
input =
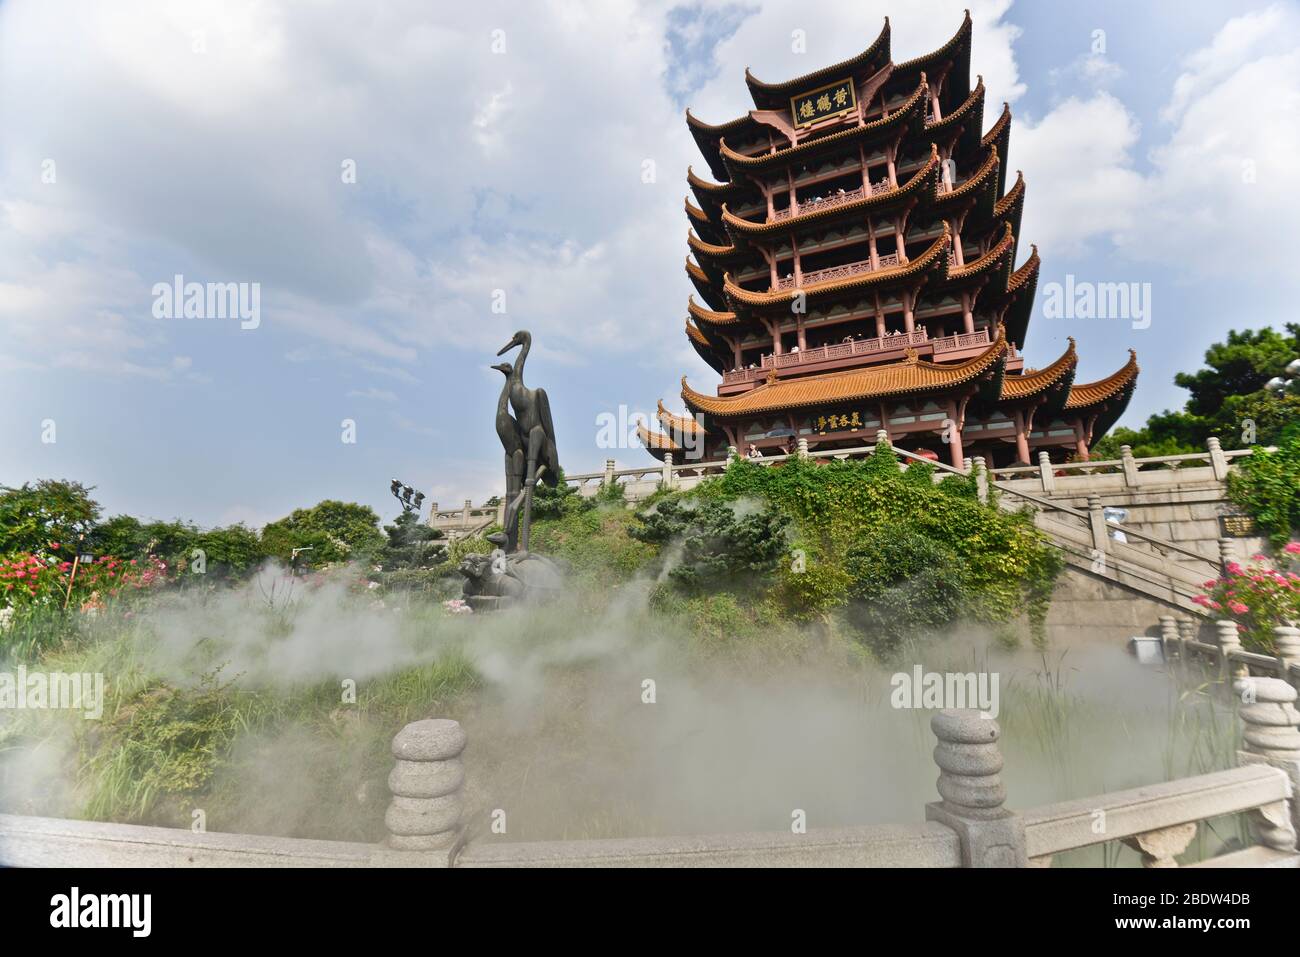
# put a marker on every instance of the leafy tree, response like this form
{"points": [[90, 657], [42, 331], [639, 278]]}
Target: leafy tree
{"points": [[121, 535], [333, 531], [32, 517], [1222, 398], [559, 501], [1238, 367], [723, 544], [232, 550], [903, 584], [412, 544], [1267, 486]]}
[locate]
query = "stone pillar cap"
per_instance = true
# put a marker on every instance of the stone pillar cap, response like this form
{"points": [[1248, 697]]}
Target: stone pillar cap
{"points": [[1267, 689], [965, 726], [434, 739]]}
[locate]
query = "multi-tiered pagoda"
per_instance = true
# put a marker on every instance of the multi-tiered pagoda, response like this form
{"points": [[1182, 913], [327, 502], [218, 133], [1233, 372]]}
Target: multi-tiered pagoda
{"points": [[855, 263]]}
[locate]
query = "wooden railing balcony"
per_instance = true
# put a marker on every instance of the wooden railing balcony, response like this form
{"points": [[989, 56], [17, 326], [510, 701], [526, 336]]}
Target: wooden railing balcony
{"points": [[835, 199], [864, 347], [838, 272], [827, 353], [961, 340]]}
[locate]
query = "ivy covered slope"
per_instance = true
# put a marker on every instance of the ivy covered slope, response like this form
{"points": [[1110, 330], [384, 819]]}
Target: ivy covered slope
{"points": [[889, 556]]}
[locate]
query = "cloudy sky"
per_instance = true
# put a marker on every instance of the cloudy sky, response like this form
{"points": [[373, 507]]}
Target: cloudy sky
{"points": [[500, 153]]}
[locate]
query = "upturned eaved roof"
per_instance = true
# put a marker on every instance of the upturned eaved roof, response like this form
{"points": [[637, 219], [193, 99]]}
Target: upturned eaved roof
{"points": [[998, 253], [1013, 196], [1033, 383], [899, 378], [915, 104], [1026, 273], [1093, 393], [767, 94], [656, 441], [681, 424], [959, 42], [700, 314]]}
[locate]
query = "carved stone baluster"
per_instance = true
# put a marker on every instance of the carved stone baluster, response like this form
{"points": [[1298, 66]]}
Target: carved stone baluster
{"points": [[1159, 847], [1267, 708], [1229, 642], [426, 781], [970, 784]]}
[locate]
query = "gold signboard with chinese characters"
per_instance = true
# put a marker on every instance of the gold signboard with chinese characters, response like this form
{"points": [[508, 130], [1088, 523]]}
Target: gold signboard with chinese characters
{"points": [[1237, 526], [838, 423], [824, 103]]}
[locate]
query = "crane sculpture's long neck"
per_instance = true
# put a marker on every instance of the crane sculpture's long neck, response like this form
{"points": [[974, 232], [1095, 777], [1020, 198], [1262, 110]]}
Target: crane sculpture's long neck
{"points": [[503, 403], [523, 357]]}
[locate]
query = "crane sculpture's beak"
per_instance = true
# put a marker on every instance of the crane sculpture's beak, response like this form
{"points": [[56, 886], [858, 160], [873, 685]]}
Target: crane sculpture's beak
{"points": [[514, 341], [503, 367]]}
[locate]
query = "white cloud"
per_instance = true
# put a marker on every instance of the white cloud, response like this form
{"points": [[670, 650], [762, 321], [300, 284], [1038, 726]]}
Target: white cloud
{"points": [[1222, 188], [1078, 165], [1219, 184], [378, 395], [1093, 69]]}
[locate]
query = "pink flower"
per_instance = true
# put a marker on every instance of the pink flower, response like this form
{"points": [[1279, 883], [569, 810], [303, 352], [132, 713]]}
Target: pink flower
{"points": [[1237, 608], [1292, 548], [1233, 568]]}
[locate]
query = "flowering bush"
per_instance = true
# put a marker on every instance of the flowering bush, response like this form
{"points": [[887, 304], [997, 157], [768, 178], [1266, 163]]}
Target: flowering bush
{"points": [[1258, 597], [29, 581]]}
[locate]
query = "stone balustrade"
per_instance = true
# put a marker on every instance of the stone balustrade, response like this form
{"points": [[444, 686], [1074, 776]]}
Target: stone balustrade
{"points": [[969, 826]]}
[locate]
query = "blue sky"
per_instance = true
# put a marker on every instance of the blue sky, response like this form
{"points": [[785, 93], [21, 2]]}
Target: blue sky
{"points": [[503, 147]]}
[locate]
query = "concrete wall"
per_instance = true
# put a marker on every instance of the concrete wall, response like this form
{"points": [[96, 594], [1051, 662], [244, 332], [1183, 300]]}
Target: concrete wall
{"points": [[1087, 608]]}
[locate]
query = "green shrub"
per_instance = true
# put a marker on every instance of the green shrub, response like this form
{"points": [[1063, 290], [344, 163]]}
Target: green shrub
{"points": [[723, 544], [1267, 486], [903, 584], [1007, 567]]}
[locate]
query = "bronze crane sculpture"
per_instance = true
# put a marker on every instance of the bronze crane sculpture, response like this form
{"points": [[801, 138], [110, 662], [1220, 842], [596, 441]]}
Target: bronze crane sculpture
{"points": [[512, 441], [533, 416]]}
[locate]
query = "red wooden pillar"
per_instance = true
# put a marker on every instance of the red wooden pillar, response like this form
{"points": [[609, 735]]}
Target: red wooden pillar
{"points": [[1081, 442], [967, 311], [954, 440], [1022, 439]]}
